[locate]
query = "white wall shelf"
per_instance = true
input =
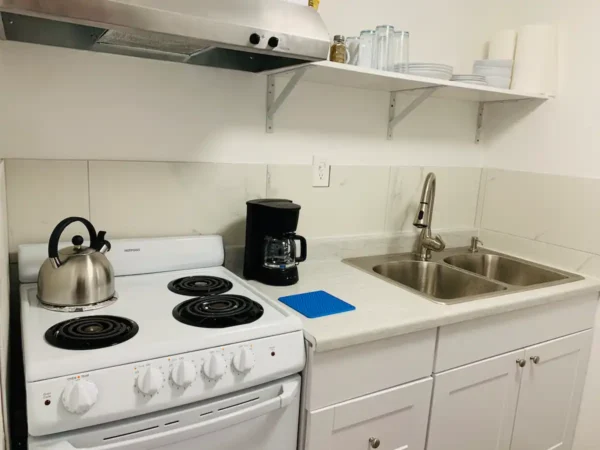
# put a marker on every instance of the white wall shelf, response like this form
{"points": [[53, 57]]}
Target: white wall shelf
{"points": [[422, 88]]}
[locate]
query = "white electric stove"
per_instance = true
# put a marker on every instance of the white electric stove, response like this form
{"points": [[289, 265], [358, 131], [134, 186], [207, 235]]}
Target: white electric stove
{"points": [[189, 355]]}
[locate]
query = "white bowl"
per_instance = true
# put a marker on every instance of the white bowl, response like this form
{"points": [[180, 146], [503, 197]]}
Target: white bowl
{"points": [[469, 77], [492, 72], [505, 63], [443, 67], [499, 82]]}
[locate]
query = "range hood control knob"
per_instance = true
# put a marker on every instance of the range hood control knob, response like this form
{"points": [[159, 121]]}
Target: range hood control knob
{"points": [[273, 42], [214, 367], [254, 39], [150, 381], [184, 374], [79, 396]]}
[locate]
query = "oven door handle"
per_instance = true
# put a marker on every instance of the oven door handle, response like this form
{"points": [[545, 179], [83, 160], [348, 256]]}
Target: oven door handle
{"points": [[289, 391]]}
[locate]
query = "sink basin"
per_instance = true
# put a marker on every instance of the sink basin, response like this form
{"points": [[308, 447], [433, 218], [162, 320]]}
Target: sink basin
{"points": [[455, 276], [443, 283], [505, 270]]}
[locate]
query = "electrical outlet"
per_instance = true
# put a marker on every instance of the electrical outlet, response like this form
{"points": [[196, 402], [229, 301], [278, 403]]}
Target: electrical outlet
{"points": [[320, 171]]}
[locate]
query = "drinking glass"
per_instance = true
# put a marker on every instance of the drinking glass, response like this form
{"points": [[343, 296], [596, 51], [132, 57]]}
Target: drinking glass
{"points": [[384, 39], [353, 46], [366, 55], [401, 48]]}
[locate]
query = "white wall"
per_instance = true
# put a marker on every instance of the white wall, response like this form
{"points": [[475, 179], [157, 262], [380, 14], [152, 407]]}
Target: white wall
{"points": [[67, 104], [561, 136], [545, 205]]}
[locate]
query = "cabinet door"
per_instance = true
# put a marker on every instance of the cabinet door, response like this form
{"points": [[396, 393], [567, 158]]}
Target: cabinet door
{"points": [[396, 418], [551, 393], [474, 406]]}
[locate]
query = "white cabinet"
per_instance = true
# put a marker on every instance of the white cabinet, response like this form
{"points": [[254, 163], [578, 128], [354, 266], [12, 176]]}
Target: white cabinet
{"points": [[394, 419], [474, 406], [551, 390], [496, 404]]}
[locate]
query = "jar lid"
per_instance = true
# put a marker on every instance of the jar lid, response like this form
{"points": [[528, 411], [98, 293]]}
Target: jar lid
{"points": [[367, 32], [339, 38], [384, 27], [404, 33]]}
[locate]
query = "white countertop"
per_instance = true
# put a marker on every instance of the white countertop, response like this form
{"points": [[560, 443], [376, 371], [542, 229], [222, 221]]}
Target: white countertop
{"points": [[384, 310]]}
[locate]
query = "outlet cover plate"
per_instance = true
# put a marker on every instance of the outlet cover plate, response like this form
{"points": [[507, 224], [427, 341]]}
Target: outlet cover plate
{"points": [[320, 171]]}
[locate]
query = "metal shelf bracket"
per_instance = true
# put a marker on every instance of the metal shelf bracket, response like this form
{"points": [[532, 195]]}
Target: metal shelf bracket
{"points": [[396, 119], [481, 112], [273, 104], [479, 128]]}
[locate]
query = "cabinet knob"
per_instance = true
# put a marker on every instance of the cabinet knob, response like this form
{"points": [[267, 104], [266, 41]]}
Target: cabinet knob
{"points": [[521, 362], [535, 359], [374, 442]]}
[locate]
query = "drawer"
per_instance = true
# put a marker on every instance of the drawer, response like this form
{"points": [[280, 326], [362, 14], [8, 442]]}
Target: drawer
{"points": [[355, 371], [471, 341], [396, 417]]}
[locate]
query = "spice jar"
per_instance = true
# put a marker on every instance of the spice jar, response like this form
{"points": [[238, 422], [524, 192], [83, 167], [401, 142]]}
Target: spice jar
{"points": [[314, 3], [339, 52]]}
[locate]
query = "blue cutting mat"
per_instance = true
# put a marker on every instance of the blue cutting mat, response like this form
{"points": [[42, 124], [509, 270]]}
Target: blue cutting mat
{"points": [[316, 304]]}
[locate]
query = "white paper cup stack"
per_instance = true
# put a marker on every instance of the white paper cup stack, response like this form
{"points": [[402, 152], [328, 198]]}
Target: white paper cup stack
{"points": [[536, 60]]}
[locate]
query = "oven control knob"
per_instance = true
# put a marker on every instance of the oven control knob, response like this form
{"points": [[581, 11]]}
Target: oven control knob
{"points": [[184, 374], [150, 381], [244, 360], [214, 367], [79, 396]]}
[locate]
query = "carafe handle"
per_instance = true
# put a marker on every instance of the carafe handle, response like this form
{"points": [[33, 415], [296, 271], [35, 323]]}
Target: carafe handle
{"points": [[303, 248], [55, 237]]}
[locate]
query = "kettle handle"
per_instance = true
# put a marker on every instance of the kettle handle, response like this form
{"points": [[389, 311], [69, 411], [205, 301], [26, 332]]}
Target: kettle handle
{"points": [[303, 248], [55, 236]]}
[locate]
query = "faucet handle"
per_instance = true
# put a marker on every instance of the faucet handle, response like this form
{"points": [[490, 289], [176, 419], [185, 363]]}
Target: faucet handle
{"points": [[442, 243], [474, 242]]}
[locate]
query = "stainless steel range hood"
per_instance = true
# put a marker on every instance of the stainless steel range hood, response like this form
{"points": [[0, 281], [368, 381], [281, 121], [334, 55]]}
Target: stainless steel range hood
{"points": [[248, 35]]}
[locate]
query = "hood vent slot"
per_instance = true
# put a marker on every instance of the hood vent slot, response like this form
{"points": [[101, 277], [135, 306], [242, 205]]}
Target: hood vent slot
{"points": [[174, 48]]}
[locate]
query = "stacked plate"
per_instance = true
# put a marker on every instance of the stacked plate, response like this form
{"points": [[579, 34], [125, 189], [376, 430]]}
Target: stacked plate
{"points": [[497, 72], [470, 79], [431, 70]]}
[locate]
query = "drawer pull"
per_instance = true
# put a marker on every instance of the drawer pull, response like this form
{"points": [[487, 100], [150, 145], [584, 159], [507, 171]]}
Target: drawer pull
{"points": [[535, 359], [374, 442], [521, 362]]}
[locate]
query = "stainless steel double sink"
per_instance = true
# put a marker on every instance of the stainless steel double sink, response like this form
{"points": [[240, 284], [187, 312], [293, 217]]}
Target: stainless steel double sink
{"points": [[456, 275]]}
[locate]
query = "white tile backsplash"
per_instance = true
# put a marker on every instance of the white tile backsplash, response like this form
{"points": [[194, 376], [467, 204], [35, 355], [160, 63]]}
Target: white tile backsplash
{"points": [[552, 209], [354, 203], [42, 193], [363, 210], [145, 199], [455, 202]]}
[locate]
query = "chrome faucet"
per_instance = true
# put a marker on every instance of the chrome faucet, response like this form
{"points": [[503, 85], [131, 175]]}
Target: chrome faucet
{"points": [[426, 243]]}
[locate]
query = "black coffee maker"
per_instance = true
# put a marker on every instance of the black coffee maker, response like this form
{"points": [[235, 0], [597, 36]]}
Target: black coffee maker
{"points": [[270, 255]]}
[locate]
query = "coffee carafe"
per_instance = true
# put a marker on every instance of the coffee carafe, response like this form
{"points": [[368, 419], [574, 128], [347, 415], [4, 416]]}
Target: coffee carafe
{"points": [[280, 253], [271, 254]]}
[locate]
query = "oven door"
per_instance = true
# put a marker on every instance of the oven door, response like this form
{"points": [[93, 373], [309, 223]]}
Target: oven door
{"points": [[262, 418]]}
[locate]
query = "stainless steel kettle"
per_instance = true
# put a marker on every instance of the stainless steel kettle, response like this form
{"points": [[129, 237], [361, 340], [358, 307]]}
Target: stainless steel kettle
{"points": [[76, 276]]}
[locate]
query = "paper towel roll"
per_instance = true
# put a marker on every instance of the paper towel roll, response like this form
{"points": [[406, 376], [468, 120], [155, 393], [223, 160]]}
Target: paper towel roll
{"points": [[502, 45], [536, 60]]}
